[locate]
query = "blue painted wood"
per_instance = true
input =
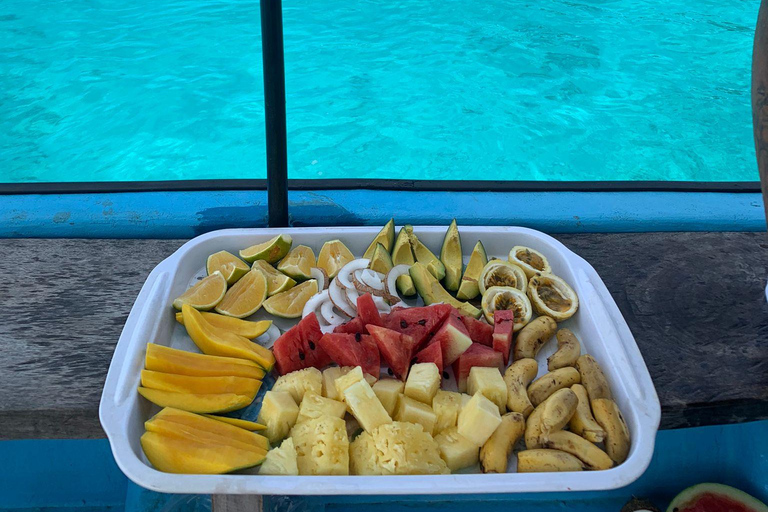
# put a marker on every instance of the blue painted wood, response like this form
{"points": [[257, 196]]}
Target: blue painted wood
{"points": [[187, 214]]}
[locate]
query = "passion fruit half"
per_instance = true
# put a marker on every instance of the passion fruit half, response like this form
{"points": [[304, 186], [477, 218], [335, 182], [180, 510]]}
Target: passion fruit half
{"points": [[550, 295], [530, 260], [502, 273], [506, 297]]}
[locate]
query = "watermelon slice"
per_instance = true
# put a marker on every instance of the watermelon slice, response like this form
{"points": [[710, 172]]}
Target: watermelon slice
{"points": [[299, 347], [715, 498], [475, 355], [453, 338], [395, 348], [479, 331], [354, 326], [367, 312], [352, 350], [503, 325], [418, 323], [433, 353]]}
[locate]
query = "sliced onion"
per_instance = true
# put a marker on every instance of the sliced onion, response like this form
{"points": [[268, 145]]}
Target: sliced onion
{"points": [[320, 276], [345, 274], [339, 298], [330, 316], [269, 337], [391, 281]]}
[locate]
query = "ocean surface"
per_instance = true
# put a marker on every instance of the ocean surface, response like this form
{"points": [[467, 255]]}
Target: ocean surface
{"points": [[99, 90]]}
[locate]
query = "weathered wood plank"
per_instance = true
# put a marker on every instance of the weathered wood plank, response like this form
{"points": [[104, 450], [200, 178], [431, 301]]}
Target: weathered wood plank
{"points": [[694, 301]]}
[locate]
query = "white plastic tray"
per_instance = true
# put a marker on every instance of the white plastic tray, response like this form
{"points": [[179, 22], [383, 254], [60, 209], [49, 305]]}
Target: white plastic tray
{"points": [[598, 324]]}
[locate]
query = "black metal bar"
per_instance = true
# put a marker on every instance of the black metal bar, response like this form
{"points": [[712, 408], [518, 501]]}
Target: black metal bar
{"points": [[274, 110]]}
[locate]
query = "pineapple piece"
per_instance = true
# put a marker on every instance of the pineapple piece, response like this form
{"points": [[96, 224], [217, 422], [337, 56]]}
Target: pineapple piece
{"points": [[365, 407], [387, 391], [300, 382], [329, 382], [396, 449], [281, 461], [479, 419], [446, 406], [348, 378], [423, 382], [457, 451], [322, 446], [278, 413], [490, 383], [313, 406], [465, 398], [413, 411]]}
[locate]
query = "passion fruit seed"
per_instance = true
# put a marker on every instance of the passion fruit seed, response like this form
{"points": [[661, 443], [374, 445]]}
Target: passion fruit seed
{"points": [[531, 259], [501, 276], [503, 302], [554, 300]]}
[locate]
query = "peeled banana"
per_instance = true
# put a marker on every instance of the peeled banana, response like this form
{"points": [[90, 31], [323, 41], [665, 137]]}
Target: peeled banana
{"points": [[568, 350], [533, 336], [593, 378], [494, 455], [557, 410], [592, 456], [517, 377], [609, 417], [544, 386], [533, 429], [582, 422], [543, 460]]}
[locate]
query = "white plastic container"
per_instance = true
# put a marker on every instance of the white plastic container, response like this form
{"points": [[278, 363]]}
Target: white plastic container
{"points": [[598, 324]]}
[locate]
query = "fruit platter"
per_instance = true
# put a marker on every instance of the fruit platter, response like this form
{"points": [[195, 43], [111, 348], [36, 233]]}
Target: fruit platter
{"points": [[393, 360]]}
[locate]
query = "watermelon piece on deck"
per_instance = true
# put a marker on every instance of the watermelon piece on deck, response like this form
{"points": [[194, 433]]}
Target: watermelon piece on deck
{"points": [[418, 323], [354, 326], [367, 311], [352, 350], [453, 338], [395, 348], [475, 355], [479, 331], [299, 348], [433, 353], [503, 327]]}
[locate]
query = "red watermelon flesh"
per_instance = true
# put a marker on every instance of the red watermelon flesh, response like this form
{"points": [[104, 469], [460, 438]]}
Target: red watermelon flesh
{"points": [[712, 497], [714, 503], [433, 353], [354, 326], [367, 312], [475, 355], [418, 323], [479, 331], [395, 348], [453, 338], [503, 325], [352, 350], [299, 347]]}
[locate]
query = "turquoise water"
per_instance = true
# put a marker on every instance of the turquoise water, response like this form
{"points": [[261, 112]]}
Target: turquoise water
{"points": [[98, 90]]}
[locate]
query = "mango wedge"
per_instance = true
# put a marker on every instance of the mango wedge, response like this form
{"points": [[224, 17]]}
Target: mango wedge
{"points": [[209, 385], [193, 402], [175, 455], [244, 424], [205, 423], [179, 430], [244, 328], [181, 362], [218, 342]]}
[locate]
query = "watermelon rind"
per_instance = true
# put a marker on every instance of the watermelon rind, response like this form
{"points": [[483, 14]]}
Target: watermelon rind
{"points": [[689, 495]]}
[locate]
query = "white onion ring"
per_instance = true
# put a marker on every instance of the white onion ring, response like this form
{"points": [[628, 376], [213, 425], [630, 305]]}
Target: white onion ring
{"points": [[344, 275], [326, 311], [338, 296], [320, 276], [269, 337]]}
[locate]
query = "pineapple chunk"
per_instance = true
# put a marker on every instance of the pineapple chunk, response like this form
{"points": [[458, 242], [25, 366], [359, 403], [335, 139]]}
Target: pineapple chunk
{"points": [[457, 451], [490, 383], [396, 449], [479, 419], [278, 413], [313, 406], [300, 382], [364, 406], [423, 382], [329, 382], [387, 391], [465, 398], [446, 406], [322, 446], [281, 461], [413, 411], [348, 378]]}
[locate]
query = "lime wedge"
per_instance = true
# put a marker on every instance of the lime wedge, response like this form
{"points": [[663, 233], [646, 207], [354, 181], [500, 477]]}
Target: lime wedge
{"points": [[271, 251], [290, 304], [333, 255], [245, 296], [298, 263], [276, 281], [205, 294], [230, 266]]}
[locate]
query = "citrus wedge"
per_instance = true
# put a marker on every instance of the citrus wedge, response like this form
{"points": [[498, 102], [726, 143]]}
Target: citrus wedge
{"points": [[298, 263], [244, 328], [204, 295], [244, 424], [276, 281], [230, 266], [245, 297], [290, 304], [271, 251], [332, 256]]}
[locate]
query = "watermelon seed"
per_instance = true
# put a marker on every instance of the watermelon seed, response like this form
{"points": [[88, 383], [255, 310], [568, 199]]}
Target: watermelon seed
{"points": [[389, 371], [358, 337], [312, 345], [445, 375], [301, 355], [414, 361], [403, 324], [422, 322]]}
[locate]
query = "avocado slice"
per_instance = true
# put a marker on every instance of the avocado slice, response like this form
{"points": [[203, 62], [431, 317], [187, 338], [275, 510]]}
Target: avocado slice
{"points": [[432, 291], [402, 254], [423, 255], [381, 261], [386, 237], [451, 257], [469, 288]]}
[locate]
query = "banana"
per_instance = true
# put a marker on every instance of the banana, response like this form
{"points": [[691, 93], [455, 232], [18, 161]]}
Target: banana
{"points": [[542, 460], [494, 455], [544, 386], [558, 410], [568, 350], [533, 429], [582, 422], [592, 456], [517, 377], [533, 336], [609, 417], [593, 378]]}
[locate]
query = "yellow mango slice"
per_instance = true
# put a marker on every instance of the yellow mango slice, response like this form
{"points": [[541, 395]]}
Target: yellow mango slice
{"points": [[170, 360], [194, 402], [180, 430], [218, 342], [205, 423], [244, 424], [208, 385], [175, 455], [244, 328]]}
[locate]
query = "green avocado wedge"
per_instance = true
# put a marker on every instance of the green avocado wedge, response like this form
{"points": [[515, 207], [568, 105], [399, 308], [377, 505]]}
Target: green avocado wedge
{"points": [[431, 291], [385, 237], [402, 254], [423, 255], [381, 261], [451, 257], [469, 289]]}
